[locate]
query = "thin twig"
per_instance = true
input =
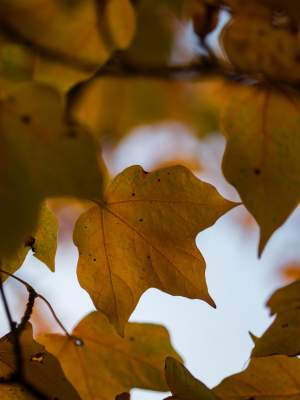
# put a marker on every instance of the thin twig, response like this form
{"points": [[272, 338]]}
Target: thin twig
{"points": [[37, 295]]}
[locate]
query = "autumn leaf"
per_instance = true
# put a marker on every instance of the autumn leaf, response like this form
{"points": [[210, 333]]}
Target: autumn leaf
{"points": [[144, 102], [15, 392], [276, 56], [143, 236], [183, 385], [282, 337], [81, 35], [262, 154], [265, 378], [41, 156], [41, 369], [43, 243], [100, 364]]}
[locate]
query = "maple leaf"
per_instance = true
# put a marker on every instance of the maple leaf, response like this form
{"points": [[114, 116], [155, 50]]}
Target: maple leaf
{"points": [[100, 364], [143, 236], [43, 243], [262, 154], [41, 156], [41, 369], [282, 337], [264, 379]]}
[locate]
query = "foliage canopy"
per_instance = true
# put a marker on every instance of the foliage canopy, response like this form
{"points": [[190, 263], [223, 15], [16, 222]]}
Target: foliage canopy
{"points": [[76, 76]]}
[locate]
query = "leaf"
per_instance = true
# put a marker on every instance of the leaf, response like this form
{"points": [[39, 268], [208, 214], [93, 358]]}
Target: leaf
{"points": [[255, 45], [41, 369], [283, 336], [100, 364], [40, 156], [265, 378], [15, 392], [143, 236], [145, 102], [183, 385], [77, 33], [262, 154], [43, 244]]}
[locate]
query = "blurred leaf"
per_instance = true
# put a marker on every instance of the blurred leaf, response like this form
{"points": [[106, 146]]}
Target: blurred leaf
{"points": [[101, 364], [266, 378], [290, 271], [283, 336], [40, 156], [255, 46], [15, 392], [145, 102], [41, 369], [79, 34], [183, 385], [43, 244], [143, 236], [262, 155]]}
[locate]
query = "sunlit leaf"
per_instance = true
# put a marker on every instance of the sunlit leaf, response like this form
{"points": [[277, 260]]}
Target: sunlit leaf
{"points": [[100, 364], [41, 369], [262, 155], [40, 156], [143, 236]]}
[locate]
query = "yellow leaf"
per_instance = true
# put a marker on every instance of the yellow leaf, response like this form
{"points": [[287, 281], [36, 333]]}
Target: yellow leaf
{"points": [[40, 156], [15, 392], [255, 46], [283, 336], [41, 369], [100, 364], [265, 378], [183, 385], [43, 243], [262, 155], [145, 102], [75, 33], [143, 236]]}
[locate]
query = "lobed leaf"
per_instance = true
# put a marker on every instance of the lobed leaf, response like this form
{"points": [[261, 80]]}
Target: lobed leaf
{"points": [[143, 236]]}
